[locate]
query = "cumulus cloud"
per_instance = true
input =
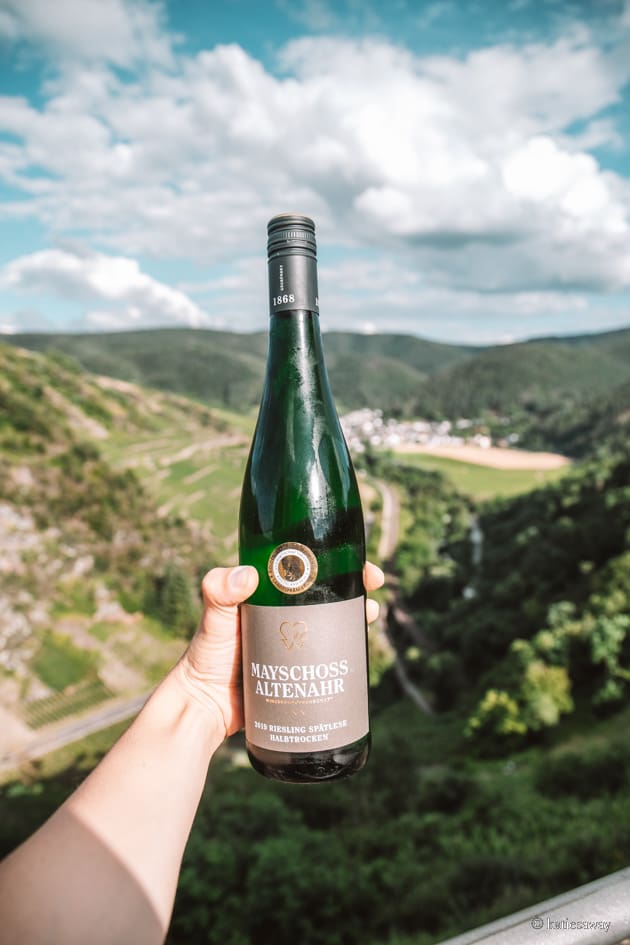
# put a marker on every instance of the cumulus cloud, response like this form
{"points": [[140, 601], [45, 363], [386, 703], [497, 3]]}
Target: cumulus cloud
{"points": [[132, 298], [464, 169], [122, 32], [397, 298], [315, 15], [384, 293], [327, 16]]}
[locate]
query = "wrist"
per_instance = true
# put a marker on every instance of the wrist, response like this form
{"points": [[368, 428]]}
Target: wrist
{"points": [[200, 718]]}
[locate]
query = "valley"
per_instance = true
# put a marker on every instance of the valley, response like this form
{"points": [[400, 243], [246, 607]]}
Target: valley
{"points": [[558, 394], [499, 678]]}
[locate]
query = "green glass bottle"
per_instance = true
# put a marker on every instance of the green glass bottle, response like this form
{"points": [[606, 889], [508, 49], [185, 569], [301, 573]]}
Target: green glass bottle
{"points": [[301, 525]]}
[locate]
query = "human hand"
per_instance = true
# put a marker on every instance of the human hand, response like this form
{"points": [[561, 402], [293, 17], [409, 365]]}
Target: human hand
{"points": [[210, 669]]}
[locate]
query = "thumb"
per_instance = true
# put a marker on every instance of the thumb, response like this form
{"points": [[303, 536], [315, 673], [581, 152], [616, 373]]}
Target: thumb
{"points": [[210, 669], [224, 588]]}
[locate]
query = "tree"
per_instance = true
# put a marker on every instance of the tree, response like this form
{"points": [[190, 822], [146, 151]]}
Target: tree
{"points": [[176, 601]]}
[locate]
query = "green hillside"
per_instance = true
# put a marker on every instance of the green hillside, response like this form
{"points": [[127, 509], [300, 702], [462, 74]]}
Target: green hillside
{"points": [[449, 837], [227, 368], [482, 482], [97, 584], [544, 388], [519, 641], [616, 344], [526, 378], [418, 353], [360, 381], [535, 626], [577, 428], [216, 367], [565, 395]]}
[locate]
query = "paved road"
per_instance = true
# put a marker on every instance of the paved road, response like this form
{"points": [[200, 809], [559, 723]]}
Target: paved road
{"points": [[390, 522], [390, 527], [410, 689], [66, 733]]}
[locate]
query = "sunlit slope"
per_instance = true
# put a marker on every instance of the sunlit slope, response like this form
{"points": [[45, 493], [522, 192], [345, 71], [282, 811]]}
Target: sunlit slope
{"points": [[98, 581], [227, 368]]}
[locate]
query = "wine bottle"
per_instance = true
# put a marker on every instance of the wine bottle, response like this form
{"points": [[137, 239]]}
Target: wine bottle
{"points": [[301, 525]]}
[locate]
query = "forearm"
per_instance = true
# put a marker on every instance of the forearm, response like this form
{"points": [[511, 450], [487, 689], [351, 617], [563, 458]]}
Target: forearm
{"points": [[104, 868]]}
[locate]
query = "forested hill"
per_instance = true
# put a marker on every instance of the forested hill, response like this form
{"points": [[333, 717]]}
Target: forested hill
{"points": [[531, 376], [520, 638], [69, 520], [227, 368], [536, 625], [570, 396], [579, 427], [551, 391], [614, 343]]}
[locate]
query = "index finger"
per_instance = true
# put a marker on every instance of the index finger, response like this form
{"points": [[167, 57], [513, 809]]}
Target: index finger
{"points": [[373, 577]]}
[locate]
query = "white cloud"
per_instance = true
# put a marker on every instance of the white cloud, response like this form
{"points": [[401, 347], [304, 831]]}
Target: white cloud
{"points": [[133, 298], [315, 15], [349, 16], [599, 133], [571, 185], [385, 294], [396, 298], [122, 32], [434, 12]]}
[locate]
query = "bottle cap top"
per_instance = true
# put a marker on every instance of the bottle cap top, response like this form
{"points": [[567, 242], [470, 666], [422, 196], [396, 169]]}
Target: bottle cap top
{"points": [[291, 232]]}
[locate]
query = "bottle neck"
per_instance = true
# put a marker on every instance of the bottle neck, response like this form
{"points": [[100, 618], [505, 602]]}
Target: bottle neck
{"points": [[297, 402], [296, 371], [293, 282], [295, 365]]}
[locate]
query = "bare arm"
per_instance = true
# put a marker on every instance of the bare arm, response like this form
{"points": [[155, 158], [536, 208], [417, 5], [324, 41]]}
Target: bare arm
{"points": [[103, 869]]}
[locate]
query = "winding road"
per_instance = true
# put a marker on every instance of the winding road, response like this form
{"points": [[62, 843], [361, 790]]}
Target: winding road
{"points": [[390, 522], [64, 733], [396, 613]]}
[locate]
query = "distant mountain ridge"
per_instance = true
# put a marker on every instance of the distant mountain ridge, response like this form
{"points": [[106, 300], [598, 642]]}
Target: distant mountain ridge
{"points": [[615, 342], [540, 385], [529, 375], [227, 368], [566, 394]]}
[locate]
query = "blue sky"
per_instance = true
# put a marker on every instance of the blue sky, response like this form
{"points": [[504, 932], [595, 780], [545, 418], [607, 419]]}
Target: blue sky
{"points": [[467, 163]]}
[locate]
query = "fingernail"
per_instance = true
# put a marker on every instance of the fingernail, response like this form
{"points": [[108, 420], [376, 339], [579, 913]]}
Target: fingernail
{"points": [[241, 578]]}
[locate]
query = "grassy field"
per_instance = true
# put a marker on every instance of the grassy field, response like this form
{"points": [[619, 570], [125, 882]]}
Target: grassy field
{"points": [[128, 656], [483, 482], [62, 704], [81, 755], [193, 473], [198, 474], [59, 663]]}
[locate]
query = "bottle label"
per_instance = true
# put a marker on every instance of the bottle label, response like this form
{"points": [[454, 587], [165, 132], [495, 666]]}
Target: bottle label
{"points": [[305, 679], [292, 568], [293, 283]]}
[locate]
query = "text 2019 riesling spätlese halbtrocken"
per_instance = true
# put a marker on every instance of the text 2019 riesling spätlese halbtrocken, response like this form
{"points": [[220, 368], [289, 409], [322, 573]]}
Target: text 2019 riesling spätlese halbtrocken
{"points": [[301, 525]]}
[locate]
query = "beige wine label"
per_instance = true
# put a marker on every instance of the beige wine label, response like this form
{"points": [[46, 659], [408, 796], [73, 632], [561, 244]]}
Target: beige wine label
{"points": [[305, 675], [292, 568]]}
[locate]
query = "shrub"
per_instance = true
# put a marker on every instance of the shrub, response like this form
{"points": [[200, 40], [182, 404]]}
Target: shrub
{"points": [[583, 776], [445, 790]]}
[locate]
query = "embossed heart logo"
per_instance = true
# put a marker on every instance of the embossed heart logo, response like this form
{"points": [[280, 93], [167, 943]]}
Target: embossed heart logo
{"points": [[293, 634]]}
